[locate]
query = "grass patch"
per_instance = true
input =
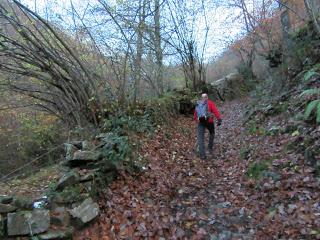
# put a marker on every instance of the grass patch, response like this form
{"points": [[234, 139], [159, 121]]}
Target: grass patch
{"points": [[256, 170], [253, 129], [244, 153], [29, 186]]}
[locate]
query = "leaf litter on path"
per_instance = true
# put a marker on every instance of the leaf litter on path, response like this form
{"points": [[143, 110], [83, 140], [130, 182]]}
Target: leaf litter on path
{"points": [[180, 196]]}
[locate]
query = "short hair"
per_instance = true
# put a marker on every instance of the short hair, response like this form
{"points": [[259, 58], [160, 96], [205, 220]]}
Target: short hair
{"points": [[204, 95]]}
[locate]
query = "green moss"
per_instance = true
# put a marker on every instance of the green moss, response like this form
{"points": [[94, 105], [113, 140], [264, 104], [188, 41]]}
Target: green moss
{"points": [[71, 194], [24, 203]]}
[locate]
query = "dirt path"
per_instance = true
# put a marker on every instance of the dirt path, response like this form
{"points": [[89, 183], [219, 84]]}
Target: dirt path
{"points": [[179, 196]]}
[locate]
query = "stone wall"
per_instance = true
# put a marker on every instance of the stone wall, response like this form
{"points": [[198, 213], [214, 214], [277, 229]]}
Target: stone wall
{"points": [[228, 87], [70, 203]]}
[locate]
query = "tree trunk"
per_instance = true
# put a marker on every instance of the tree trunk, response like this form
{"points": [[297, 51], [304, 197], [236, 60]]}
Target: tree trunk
{"points": [[312, 16], [158, 49], [139, 51]]}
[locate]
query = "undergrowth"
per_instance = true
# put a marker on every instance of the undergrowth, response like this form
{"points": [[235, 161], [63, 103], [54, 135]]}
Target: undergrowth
{"points": [[124, 125]]}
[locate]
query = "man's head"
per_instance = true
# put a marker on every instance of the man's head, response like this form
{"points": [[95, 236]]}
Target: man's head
{"points": [[204, 96]]}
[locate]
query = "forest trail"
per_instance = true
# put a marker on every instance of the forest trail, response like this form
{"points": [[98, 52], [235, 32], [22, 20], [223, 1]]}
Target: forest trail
{"points": [[179, 196]]}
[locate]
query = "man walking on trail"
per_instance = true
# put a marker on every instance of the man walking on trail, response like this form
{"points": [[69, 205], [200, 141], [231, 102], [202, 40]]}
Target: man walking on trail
{"points": [[204, 114]]}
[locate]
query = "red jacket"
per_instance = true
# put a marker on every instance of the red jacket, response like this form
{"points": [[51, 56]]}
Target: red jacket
{"points": [[212, 109]]}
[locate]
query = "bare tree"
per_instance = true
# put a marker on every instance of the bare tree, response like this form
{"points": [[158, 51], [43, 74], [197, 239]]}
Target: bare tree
{"points": [[261, 35], [139, 48], [183, 39], [143, 20], [157, 45], [46, 67]]}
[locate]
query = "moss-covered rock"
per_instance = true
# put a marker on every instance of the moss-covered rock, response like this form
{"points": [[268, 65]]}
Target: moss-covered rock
{"points": [[85, 212], [23, 203], [68, 179], [70, 149], [57, 234], [60, 217], [7, 208], [70, 194], [25, 223], [6, 199], [229, 87]]}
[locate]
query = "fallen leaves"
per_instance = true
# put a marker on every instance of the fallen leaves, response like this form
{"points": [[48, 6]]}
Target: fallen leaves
{"points": [[179, 196]]}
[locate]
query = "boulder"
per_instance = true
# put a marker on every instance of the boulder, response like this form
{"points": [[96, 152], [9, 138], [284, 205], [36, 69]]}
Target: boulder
{"points": [[58, 200], [104, 166], [68, 195], [23, 203], [6, 199], [87, 146], [82, 158], [28, 223], [57, 234], [60, 217], [229, 86], [64, 166], [86, 156], [87, 177], [77, 144], [6, 208], [85, 212], [68, 179], [87, 186], [70, 150]]}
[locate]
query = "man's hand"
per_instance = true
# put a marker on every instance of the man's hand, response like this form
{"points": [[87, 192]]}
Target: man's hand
{"points": [[219, 122]]}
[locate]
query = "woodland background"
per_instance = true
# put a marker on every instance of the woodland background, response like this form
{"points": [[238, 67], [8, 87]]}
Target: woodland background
{"points": [[62, 79]]}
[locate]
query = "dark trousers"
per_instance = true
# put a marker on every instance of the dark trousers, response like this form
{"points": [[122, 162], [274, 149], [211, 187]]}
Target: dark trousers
{"points": [[201, 130]]}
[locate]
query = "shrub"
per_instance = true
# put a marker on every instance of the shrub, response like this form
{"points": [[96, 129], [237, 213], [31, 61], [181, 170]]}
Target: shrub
{"points": [[26, 136], [120, 129], [314, 105], [39, 134], [117, 148]]}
